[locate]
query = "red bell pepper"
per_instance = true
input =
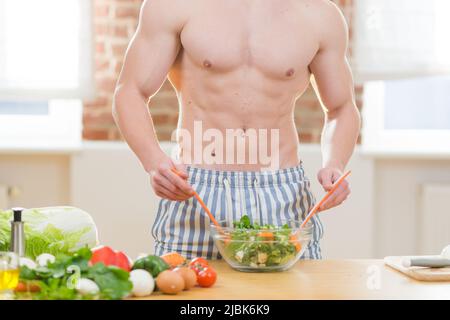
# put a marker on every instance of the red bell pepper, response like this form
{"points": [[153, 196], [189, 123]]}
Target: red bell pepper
{"points": [[109, 257]]}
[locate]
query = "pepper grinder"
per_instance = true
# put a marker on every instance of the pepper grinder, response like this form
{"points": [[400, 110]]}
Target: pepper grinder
{"points": [[17, 244]]}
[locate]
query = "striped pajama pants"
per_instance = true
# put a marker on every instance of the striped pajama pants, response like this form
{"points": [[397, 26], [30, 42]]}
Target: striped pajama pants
{"points": [[268, 197]]}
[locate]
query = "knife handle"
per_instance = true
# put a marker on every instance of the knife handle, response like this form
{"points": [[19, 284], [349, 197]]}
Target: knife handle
{"points": [[429, 262]]}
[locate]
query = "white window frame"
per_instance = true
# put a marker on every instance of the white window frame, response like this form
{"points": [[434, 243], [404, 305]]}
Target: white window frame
{"points": [[376, 140]]}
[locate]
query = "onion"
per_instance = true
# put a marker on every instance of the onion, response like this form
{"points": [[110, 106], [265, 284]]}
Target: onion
{"points": [[87, 286], [143, 283], [44, 259]]}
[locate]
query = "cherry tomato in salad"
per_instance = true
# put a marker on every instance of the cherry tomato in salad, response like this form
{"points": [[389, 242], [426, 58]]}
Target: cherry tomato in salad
{"points": [[206, 277]]}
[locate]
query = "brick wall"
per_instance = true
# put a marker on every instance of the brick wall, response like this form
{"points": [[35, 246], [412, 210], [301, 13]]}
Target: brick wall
{"points": [[115, 22]]}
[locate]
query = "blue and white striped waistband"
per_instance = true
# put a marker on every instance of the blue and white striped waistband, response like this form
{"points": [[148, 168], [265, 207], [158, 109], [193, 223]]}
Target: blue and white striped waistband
{"points": [[200, 176]]}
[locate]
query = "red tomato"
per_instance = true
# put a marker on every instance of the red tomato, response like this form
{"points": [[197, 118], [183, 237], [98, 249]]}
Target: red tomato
{"points": [[21, 287], [207, 277], [200, 261], [198, 264], [195, 269], [27, 287]]}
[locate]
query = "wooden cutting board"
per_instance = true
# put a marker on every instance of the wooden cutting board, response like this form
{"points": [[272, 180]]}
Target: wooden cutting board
{"points": [[418, 273]]}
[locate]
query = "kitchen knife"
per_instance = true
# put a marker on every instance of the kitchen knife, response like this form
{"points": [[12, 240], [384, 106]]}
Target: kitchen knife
{"points": [[440, 261], [429, 262]]}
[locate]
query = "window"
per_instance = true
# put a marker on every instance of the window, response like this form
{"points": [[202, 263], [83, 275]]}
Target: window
{"points": [[24, 107], [52, 125], [407, 116], [45, 71], [45, 51], [401, 38], [402, 55], [417, 104]]}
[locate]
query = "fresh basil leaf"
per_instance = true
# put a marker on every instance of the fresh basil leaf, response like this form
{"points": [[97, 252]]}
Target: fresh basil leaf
{"points": [[27, 273], [113, 282]]}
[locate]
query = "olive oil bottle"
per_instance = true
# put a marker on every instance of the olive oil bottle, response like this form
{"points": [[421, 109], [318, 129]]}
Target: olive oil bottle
{"points": [[9, 278]]}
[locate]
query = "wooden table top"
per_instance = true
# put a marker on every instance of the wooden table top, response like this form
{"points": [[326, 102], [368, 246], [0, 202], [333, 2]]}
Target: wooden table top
{"points": [[323, 279]]}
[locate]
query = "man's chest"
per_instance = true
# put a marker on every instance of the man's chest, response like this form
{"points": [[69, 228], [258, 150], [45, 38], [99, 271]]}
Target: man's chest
{"points": [[275, 41]]}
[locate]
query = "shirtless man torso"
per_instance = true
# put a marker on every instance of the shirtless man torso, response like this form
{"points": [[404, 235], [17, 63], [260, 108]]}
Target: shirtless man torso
{"points": [[236, 65]]}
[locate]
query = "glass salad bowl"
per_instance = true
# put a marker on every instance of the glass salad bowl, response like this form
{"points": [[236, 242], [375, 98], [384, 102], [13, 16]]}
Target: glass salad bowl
{"points": [[251, 247]]}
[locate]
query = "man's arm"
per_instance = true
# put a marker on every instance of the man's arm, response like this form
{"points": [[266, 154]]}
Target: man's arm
{"points": [[148, 60], [334, 85]]}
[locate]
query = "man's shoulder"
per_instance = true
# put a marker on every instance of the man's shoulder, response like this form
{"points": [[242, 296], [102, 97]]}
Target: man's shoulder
{"points": [[177, 5], [326, 18], [321, 9], [172, 12]]}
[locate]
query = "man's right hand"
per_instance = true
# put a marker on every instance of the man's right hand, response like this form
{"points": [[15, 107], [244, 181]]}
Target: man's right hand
{"points": [[169, 185]]}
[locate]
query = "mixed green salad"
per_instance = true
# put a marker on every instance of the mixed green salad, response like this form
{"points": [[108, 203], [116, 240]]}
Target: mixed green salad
{"points": [[72, 277], [259, 246]]}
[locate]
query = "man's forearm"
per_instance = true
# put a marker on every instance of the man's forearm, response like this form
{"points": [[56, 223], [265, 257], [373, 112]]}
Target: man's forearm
{"points": [[135, 123], [340, 135]]}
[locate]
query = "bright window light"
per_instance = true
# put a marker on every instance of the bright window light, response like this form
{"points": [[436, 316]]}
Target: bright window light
{"points": [[442, 32], [401, 38], [45, 48], [407, 117], [41, 45], [45, 72], [405, 46]]}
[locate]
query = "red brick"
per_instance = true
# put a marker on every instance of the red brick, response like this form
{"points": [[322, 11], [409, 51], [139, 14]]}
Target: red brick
{"points": [[99, 48], [100, 102], [313, 105], [107, 84], [167, 86], [305, 137], [114, 134], [160, 119], [101, 65], [359, 103], [95, 134], [101, 10], [126, 12], [91, 119], [100, 29], [118, 50], [118, 67], [310, 123], [164, 135], [120, 31], [359, 89]]}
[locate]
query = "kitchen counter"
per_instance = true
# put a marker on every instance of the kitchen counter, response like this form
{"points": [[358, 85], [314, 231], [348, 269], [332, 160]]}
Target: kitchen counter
{"points": [[325, 279]]}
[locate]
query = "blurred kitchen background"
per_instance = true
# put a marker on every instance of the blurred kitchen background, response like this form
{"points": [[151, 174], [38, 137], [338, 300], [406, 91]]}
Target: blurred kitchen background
{"points": [[59, 61]]}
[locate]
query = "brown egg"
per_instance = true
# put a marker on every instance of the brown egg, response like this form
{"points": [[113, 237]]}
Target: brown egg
{"points": [[170, 282], [189, 277]]}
